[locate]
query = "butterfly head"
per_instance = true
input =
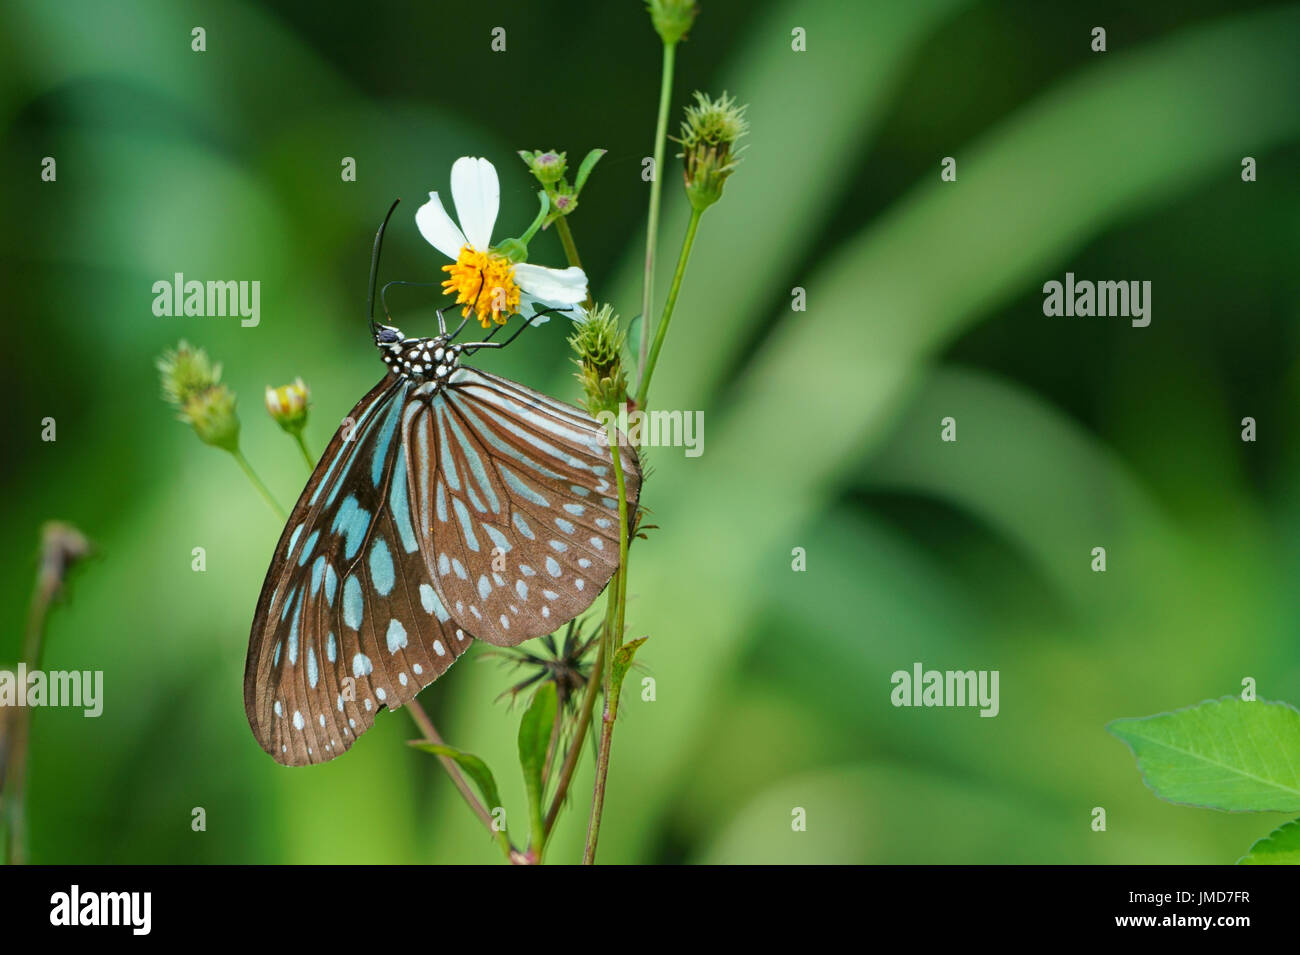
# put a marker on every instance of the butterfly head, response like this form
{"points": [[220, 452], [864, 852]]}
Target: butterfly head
{"points": [[424, 359]]}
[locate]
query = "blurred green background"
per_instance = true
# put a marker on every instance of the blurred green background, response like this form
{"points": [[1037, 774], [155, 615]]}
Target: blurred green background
{"points": [[822, 427]]}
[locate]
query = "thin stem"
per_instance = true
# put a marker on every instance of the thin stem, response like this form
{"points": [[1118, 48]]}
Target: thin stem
{"points": [[612, 639], [652, 223], [574, 754], [306, 455], [430, 733], [14, 780], [257, 483], [571, 250], [643, 390]]}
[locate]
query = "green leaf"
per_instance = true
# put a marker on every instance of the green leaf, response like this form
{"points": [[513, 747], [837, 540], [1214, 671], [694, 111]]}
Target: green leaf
{"points": [[534, 744], [623, 657], [1221, 754], [588, 164], [475, 768], [1279, 847]]}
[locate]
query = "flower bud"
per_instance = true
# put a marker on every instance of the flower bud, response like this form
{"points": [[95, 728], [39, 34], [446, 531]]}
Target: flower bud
{"points": [[672, 18], [214, 419], [192, 384], [549, 166], [287, 405], [598, 343], [709, 134]]}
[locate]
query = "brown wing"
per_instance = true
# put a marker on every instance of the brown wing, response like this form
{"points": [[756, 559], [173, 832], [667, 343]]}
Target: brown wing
{"points": [[519, 518]]}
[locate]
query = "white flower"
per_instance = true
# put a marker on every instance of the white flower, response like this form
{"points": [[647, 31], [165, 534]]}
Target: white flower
{"points": [[486, 282]]}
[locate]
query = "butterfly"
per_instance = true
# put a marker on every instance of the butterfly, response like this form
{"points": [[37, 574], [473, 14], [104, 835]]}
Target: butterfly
{"points": [[452, 504]]}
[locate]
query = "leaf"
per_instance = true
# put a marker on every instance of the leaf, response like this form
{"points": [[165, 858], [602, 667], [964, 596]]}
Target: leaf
{"points": [[474, 767], [588, 164], [1279, 847], [535, 731], [1221, 754]]}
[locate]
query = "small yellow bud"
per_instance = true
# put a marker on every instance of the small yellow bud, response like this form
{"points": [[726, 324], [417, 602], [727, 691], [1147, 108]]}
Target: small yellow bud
{"points": [[288, 405]]}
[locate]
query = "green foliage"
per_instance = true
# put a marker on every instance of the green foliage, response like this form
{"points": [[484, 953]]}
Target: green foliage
{"points": [[1222, 754], [536, 731], [1279, 847], [477, 769]]}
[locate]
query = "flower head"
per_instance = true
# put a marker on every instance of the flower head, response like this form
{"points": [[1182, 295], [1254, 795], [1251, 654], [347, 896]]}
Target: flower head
{"points": [[548, 166], [672, 18], [598, 343], [192, 384], [491, 283], [288, 404], [565, 664], [709, 134]]}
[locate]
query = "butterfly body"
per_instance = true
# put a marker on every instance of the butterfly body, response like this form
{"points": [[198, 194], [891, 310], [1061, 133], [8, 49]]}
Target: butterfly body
{"points": [[452, 504], [429, 359]]}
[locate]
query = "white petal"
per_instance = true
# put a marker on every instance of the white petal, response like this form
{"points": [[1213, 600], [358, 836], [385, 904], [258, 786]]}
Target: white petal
{"points": [[552, 286], [477, 194], [438, 229], [528, 305]]}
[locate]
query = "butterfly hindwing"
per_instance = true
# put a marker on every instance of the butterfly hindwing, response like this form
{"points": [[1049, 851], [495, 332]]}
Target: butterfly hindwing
{"points": [[349, 620], [518, 514]]}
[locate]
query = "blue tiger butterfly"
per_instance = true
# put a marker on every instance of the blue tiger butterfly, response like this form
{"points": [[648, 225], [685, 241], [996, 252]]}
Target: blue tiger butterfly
{"points": [[451, 505]]}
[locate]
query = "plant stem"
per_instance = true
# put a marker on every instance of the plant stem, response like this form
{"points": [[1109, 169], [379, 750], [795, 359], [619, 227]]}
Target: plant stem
{"points": [[652, 223], [612, 639], [19, 720], [61, 546], [643, 390], [430, 733], [574, 754], [257, 483], [306, 455], [571, 250]]}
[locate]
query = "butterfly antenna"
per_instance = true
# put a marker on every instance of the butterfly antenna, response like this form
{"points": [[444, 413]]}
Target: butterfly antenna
{"points": [[488, 343], [374, 270]]}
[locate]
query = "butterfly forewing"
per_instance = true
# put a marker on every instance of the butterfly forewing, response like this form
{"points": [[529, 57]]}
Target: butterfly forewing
{"points": [[349, 619], [519, 517]]}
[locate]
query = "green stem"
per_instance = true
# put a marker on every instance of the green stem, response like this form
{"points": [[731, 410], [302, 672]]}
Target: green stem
{"points": [[574, 755], [643, 390], [430, 733], [571, 250], [257, 483], [18, 719], [652, 224], [306, 455], [611, 639]]}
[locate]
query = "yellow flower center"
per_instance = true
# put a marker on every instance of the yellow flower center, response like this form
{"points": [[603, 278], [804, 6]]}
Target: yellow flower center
{"points": [[484, 283]]}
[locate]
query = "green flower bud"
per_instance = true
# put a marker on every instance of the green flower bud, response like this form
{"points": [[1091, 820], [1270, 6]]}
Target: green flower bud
{"points": [[288, 405], [549, 166], [672, 18], [192, 384], [598, 343], [213, 416], [709, 134]]}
